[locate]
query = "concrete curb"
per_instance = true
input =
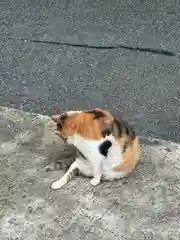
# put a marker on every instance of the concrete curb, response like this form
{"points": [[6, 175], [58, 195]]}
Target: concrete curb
{"points": [[144, 205]]}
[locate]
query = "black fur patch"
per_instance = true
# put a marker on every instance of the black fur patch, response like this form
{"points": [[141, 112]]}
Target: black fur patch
{"points": [[106, 132], [63, 116], [121, 127], [124, 148], [60, 121], [103, 147], [97, 114]]}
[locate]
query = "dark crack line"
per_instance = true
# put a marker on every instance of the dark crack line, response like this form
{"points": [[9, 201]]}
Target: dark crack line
{"points": [[150, 50]]}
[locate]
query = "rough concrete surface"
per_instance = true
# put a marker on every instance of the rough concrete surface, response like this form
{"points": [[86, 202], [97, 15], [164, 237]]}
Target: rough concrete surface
{"points": [[144, 205], [43, 78]]}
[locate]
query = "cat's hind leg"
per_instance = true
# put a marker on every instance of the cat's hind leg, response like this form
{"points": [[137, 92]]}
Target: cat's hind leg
{"points": [[66, 178]]}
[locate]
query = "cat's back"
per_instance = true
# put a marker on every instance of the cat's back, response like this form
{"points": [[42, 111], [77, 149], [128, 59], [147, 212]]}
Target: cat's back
{"points": [[130, 156]]}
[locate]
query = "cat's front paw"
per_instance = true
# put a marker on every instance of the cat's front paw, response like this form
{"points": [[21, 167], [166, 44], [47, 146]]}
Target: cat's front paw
{"points": [[95, 181], [57, 185]]}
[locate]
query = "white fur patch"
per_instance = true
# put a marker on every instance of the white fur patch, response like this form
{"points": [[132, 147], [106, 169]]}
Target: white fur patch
{"points": [[71, 113]]}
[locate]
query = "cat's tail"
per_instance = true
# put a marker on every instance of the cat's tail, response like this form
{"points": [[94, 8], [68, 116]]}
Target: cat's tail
{"points": [[66, 178], [131, 157]]}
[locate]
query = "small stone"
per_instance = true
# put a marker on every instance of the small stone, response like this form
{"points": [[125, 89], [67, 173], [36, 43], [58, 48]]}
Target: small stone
{"points": [[155, 141], [168, 149], [157, 121], [30, 209], [56, 219], [47, 168], [23, 195]]}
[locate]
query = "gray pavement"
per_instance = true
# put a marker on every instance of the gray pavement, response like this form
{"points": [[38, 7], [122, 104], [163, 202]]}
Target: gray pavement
{"points": [[145, 205], [42, 78]]}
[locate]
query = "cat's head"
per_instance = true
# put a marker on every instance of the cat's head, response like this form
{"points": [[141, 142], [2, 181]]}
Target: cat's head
{"points": [[90, 124]]}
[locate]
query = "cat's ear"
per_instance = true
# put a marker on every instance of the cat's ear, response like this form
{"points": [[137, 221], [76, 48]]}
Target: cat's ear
{"points": [[102, 114], [55, 118]]}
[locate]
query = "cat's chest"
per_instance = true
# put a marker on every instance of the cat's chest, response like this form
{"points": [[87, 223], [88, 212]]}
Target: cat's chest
{"points": [[89, 148]]}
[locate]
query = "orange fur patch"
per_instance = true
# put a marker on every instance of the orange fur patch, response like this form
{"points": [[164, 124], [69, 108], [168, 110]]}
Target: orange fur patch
{"points": [[82, 124], [131, 156]]}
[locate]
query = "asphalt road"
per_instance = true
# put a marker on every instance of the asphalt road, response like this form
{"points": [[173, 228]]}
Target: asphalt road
{"points": [[44, 78]]}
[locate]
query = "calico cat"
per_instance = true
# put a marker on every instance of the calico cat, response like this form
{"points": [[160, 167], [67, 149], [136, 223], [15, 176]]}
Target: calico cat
{"points": [[110, 148]]}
